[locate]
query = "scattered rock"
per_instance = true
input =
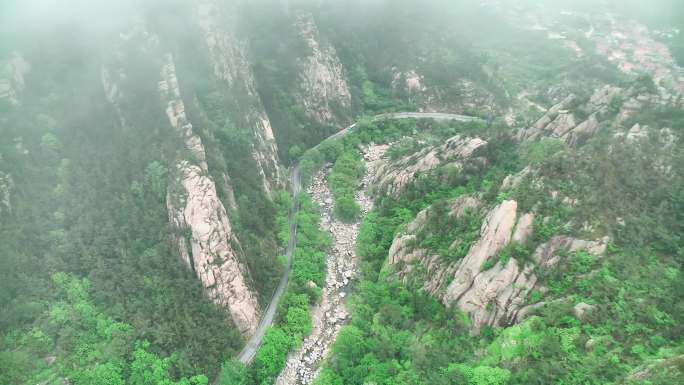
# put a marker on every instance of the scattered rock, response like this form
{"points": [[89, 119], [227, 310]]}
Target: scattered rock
{"points": [[582, 309], [328, 317]]}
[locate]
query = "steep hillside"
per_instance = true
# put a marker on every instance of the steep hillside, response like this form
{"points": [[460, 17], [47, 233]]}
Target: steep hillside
{"points": [[528, 231]]}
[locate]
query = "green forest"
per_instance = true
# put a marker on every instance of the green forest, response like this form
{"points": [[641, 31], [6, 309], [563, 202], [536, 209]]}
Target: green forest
{"points": [[94, 287], [401, 336]]}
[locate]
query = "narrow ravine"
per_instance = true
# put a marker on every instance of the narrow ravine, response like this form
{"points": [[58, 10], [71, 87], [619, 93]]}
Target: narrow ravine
{"points": [[342, 264], [252, 346]]}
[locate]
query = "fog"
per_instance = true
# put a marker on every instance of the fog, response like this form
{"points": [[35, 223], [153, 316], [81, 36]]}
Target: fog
{"points": [[27, 25], [19, 17]]}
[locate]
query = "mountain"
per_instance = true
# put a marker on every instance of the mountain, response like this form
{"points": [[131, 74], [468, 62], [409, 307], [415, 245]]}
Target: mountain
{"points": [[491, 192]]}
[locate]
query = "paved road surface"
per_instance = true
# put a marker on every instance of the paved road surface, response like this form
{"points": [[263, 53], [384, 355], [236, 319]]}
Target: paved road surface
{"points": [[252, 345], [250, 349]]}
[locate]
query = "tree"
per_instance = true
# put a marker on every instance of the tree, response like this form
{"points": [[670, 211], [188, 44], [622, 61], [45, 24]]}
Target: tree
{"points": [[270, 358], [149, 369], [233, 373], [295, 152], [482, 375], [347, 209], [102, 374]]}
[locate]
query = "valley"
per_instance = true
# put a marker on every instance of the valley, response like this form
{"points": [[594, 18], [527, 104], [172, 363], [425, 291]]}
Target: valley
{"points": [[339, 192]]}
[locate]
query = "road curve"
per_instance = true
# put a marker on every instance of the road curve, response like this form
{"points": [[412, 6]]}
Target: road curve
{"points": [[250, 349]]}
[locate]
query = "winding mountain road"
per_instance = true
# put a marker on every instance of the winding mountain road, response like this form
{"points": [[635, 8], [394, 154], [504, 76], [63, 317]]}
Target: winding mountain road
{"points": [[250, 349]]}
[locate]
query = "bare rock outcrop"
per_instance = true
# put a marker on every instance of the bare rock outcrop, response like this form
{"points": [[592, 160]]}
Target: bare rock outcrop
{"points": [[411, 81], [404, 257], [6, 187], [394, 176], [674, 366], [582, 310], [609, 105], [490, 295], [228, 57], [12, 73], [473, 95], [193, 204], [494, 235], [513, 181], [547, 255], [496, 294], [324, 91], [202, 229], [558, 121]]}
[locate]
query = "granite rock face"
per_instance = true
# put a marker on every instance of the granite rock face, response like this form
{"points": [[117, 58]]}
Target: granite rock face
{"points": [[195, 205], [490, 290], [575, 121], [12, 71], [6, 187], [494, 235], [324, 92], [394, 176], [473, 95], [228, 57], [404, 257]]}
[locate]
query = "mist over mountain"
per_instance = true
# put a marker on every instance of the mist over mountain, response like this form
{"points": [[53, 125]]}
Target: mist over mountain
{"points": [[341, 192]]}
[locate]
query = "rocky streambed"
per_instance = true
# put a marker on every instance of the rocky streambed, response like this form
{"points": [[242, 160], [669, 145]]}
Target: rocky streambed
{"points": [[341, 267]]}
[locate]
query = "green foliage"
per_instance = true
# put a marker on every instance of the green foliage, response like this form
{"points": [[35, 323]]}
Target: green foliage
{"points": [[148, 369], [283, 203], [405, 146], [344, 180], [92, 203], [482, 375], [233, 373], [520, 252], [270, 359], [538, 152], [448, 235], [89, 347], [307, 277]]}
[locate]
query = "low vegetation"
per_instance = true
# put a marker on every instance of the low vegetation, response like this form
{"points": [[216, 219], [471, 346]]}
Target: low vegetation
{"points": [[293, 322], [399, 335]]}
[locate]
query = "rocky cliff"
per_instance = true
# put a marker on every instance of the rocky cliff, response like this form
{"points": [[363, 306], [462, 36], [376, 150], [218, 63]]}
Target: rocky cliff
{"points": [[202, 229], [12, 71], [6, 187], [227, 53], [492, 290], [574, 120], [473, 96], [407, 260], [393, 176], [324, 92], [196, 206]]}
